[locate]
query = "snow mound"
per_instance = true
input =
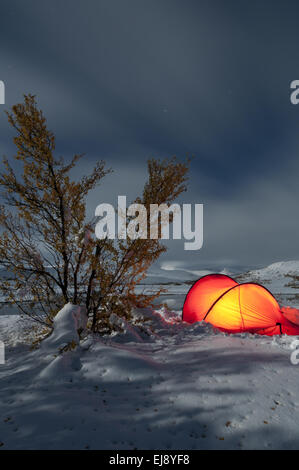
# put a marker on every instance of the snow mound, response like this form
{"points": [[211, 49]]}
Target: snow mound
{"points": [[62, 344], [62, 368], [128, 331], [67, 322]]}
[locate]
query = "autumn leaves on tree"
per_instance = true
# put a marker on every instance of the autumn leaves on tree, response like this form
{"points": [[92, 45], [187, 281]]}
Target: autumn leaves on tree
{"points": [[46, 242]]}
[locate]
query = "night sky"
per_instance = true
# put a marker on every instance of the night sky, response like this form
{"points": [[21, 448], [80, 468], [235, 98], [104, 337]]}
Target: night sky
{"points": [[126, 80]]}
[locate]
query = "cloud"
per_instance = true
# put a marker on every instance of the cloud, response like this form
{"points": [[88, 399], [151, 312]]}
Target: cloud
{"points": [[105, 72]]}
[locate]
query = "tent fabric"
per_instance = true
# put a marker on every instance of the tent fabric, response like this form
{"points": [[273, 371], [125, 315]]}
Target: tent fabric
{"points": [[204, 293], [231, 307]]}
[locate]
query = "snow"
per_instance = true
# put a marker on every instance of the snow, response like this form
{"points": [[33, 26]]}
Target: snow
{"points": [[278, 270], [169, 385], [66, 325]]}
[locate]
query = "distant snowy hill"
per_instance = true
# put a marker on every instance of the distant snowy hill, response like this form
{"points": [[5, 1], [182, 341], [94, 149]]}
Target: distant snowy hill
{"points": [[173, 272], [173, 275], [279, 278]]}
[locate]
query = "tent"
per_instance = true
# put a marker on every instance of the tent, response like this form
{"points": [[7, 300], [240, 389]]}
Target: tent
{"points": [[232, 307]]}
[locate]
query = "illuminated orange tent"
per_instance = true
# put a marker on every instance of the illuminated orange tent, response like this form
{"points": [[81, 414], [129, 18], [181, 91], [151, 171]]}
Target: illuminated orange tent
{"points": [[235, 308]]}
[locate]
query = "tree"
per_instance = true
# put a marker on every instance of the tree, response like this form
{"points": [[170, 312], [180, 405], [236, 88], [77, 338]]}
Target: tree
{"points": [[48, 245]]}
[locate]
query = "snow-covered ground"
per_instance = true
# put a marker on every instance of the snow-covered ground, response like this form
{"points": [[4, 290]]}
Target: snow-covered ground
{"points": [[171, 386]]}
